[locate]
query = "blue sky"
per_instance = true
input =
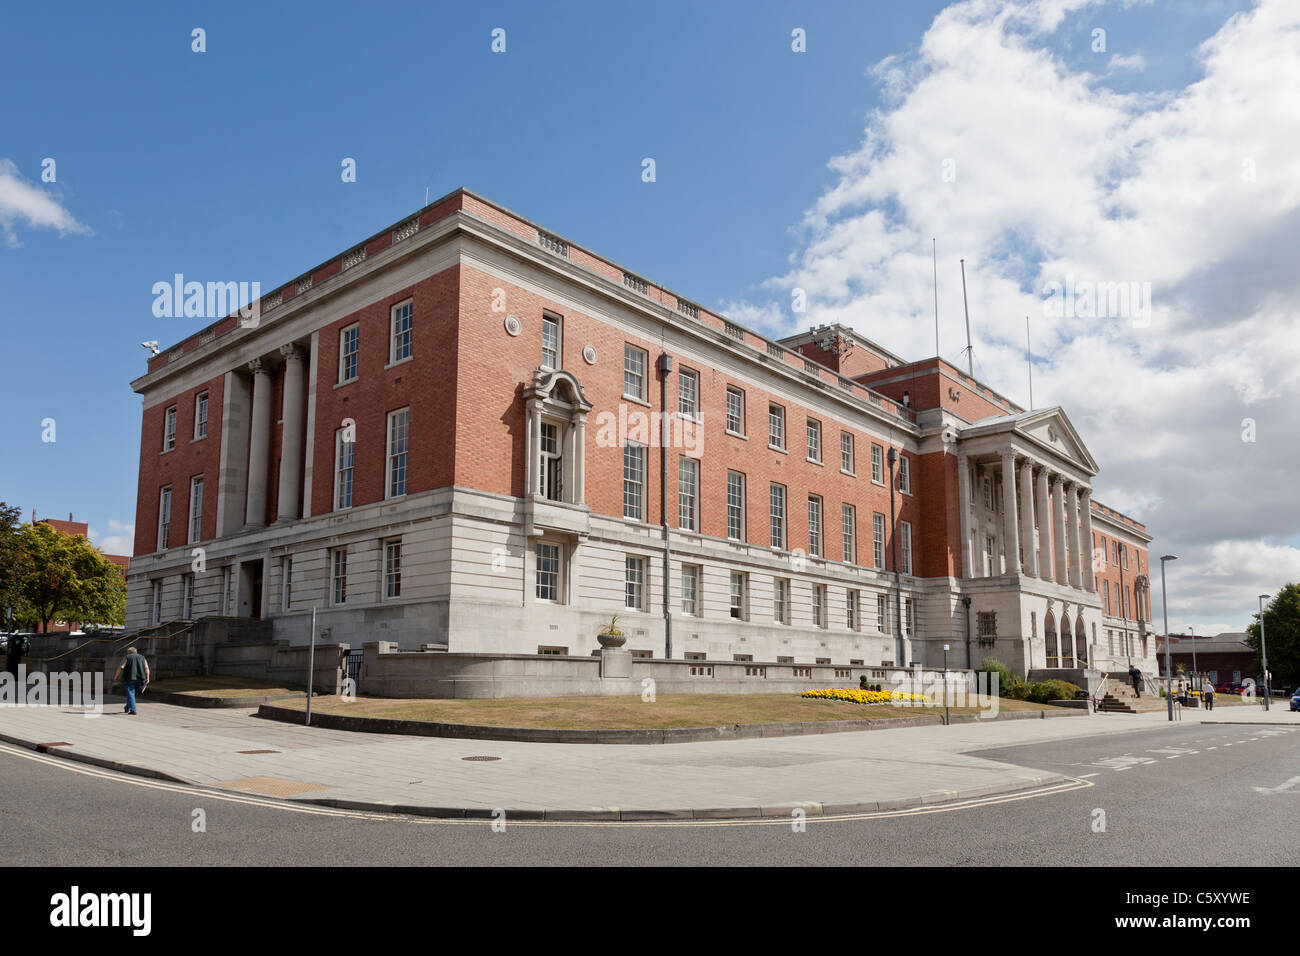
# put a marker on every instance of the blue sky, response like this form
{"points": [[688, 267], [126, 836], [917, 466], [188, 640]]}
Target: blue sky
{"points": [[225, 165]]}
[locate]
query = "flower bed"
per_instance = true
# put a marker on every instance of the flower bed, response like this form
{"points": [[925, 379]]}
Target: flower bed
{"points": [[867, 696]]}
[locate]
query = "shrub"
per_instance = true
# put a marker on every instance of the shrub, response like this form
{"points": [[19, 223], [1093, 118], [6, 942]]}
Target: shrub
{"points": [[862, 682], [1019, 690], [1005, 677], [1049, 690]]}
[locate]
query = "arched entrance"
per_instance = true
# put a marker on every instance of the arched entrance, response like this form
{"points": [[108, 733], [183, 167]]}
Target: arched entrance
{"points": [[1049, 640]]}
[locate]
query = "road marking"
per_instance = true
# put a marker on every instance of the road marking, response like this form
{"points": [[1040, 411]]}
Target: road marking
{"points": [[1211, 748], [1287, 787], [1122, 769], [375, 816], [1085, 776]]}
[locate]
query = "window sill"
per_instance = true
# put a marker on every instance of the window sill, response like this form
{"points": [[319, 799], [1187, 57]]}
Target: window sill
{"points": [[815, 461], [400, 361], [352, 381], [636, 400], [167, 451], [772, 447], [737, 435], [851, 474]]}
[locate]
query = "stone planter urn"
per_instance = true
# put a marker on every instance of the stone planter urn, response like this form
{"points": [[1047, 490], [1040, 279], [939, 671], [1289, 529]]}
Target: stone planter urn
{"points": [[610, 635]]}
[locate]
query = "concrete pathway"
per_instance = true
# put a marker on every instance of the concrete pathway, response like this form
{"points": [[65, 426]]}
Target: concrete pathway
{"points": [[823, 774]]}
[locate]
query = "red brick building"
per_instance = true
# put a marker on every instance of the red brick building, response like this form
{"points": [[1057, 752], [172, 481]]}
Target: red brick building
{"points": [[454, 435]]}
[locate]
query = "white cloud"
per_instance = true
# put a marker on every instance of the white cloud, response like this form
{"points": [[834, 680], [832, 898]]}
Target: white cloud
{"points": [[25, 202], [1195, 191], [119, 540], [1134, 61]]}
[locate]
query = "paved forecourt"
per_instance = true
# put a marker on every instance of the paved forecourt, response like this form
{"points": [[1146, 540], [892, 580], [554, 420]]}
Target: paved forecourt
{"points": [[826, 773]]}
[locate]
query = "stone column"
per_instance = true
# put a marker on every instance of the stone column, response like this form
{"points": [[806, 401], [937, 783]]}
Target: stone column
{"points": [[1044, 528], [1027, 518], [532, 448], [1010, 521], [1058, 528], [580, 460], [963, 503], [291, 436], [1072, 534], [1085, 508], [259, 445]]}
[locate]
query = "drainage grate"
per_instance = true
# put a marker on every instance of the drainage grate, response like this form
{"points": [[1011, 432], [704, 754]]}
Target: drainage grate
{"points": [[480, 758], [257, 751]]}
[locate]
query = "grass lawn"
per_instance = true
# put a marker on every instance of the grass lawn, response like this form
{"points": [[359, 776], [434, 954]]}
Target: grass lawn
{"points": [[218, 686], [629, 713]]}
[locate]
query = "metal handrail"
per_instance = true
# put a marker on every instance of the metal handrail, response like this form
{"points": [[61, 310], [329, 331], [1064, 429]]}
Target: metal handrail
{"points": [[133, 636]]}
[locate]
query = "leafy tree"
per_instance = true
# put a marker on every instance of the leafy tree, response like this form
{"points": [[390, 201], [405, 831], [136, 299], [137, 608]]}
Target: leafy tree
{"points": [[1282, 632], [66, 578], [13, 560]]}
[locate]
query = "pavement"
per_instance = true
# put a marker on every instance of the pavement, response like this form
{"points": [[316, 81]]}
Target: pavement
{"points": [[824, 775]]}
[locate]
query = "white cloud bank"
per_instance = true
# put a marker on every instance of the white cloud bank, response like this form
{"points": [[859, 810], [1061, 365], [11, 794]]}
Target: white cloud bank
{"points": [[23, 202], [1052, 174], [119, 540]]}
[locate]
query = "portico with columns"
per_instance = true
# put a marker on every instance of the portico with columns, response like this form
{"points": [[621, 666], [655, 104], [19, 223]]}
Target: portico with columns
{"points": [[1026, 532]]}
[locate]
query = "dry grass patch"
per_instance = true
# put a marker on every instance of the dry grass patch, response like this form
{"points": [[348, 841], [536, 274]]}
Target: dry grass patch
{"points": [[630, 713], [215, 685]]}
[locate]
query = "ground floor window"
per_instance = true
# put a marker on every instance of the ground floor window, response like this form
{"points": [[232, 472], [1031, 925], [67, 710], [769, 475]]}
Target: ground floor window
{"points": [[548, 571], [339, 576]]}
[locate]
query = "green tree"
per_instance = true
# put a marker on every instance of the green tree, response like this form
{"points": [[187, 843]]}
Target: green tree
{"points": [[65, 577], [1282, 631], [13, 561]]}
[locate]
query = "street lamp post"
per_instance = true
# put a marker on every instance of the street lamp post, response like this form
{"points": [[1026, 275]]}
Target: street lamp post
{"points": [[1164, 600], [1263, 651], [1192, 634], [946, 720]]}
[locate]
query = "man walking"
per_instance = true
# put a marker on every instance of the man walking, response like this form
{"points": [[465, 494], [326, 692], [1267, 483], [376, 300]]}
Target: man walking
{"points": [[134, 674], [1135, 676], [1207, 694]]}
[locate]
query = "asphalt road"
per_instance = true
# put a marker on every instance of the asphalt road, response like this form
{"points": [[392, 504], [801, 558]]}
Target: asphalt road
{"points": [[1191, 795]]}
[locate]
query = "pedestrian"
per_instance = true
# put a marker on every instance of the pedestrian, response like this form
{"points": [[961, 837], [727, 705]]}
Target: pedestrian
{"points": [[1135, 675], [134, 674], [1207, 693]]}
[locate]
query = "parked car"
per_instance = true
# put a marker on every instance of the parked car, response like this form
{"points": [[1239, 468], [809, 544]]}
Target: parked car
{"points": [[1295, 700]]}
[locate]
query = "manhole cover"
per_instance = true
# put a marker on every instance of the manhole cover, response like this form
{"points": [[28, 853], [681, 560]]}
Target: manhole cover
{"points": [[257, 751], [480, 758]]}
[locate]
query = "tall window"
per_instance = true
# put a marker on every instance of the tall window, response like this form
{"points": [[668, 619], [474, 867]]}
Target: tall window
{"points": [[634, 583], [735, 410], [907, 611], [777, 499], [688, 393], [905, 539], [882, 614], [552, 463], [878, 540], [776, 426], [187, 596], [781, 601], [399, 424], [548, 571], [634, 369], [904, 474], [157, 602], [847, 463], [169, 429], [815, 525], [164, 516], [196, 508], [691, 590], [393, 568], [739, 595], [851, 609], [201, 415], [814, 430], [688, 493], [349, 351], [338, 576], [735, 506], [344, 458], [877, 464], [288, 581], [402, 323], [550, 341], [990, 556], [849, 531], [634, 481], [819, 605]]}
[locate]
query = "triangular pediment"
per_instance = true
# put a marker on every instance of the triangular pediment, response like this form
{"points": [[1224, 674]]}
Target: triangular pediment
{"points": [[1048, 428]]}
